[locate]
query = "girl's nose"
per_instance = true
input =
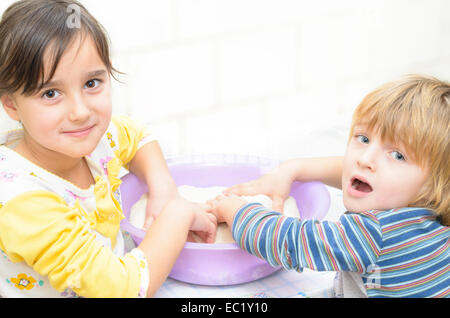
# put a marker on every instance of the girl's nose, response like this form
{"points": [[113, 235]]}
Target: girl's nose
{"points": [[79, 111]]}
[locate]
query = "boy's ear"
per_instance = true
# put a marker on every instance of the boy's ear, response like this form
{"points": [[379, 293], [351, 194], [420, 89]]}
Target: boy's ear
{"points": [[10, 107]]}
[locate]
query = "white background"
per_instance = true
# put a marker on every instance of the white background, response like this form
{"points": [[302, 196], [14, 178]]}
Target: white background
{"points": [[272, 78]]}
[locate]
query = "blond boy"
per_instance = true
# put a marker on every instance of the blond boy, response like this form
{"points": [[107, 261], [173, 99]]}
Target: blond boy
{"points": [[393, 241]]}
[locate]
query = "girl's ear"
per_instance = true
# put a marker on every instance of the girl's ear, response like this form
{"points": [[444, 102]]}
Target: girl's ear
{"points": [[10, 107]]}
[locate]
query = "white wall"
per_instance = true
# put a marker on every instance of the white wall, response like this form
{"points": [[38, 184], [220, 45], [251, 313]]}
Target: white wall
{"points": [[275, 78]]}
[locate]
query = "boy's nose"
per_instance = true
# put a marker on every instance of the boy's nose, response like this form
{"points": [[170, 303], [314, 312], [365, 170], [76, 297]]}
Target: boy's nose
{"points": [[367, 159]]}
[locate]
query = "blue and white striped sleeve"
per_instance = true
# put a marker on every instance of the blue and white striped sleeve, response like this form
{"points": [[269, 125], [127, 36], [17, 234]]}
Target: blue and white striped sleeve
{"points": [[352, 244]]}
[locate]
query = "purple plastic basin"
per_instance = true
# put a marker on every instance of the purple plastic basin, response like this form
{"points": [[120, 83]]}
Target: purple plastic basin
{"points": [[221, 264]]}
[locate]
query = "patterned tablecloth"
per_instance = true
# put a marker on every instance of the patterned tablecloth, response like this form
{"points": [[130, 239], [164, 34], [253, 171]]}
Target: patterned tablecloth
{"points": [[282, 283]]}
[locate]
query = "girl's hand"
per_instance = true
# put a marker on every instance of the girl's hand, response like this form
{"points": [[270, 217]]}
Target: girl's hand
{"points": [[166, 238], [204, 223], [275, 184], [225, 207]]}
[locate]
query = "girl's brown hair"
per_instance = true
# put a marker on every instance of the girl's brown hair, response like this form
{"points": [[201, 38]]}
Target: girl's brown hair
{"points": [[414, 111], [29, 28]]}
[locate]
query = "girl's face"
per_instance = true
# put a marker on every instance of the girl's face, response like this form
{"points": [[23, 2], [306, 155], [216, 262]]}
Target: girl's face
{"points": [[377, 175], [72, 112]]}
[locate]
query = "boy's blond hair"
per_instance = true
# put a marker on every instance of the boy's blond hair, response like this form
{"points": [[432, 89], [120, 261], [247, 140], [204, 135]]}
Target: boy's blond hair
{"points": [[414, 112]]}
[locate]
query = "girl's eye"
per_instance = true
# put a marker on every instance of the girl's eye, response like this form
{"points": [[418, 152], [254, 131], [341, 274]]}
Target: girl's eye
{"points": [[92, 83], [363, 139], [50, 94], [398, 156]]}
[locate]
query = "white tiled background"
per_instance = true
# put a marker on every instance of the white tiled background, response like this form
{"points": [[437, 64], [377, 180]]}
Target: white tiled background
{"points": [[274, 78]]}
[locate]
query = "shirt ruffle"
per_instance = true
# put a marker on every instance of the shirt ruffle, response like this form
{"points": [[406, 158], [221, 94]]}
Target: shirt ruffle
{"points": [[108, 214]]}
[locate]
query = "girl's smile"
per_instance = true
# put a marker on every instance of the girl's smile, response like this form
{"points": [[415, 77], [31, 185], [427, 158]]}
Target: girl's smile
{"points": [[79, 133]]}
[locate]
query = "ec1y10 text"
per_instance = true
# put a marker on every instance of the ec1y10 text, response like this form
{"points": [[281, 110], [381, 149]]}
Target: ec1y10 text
{"points": [[234, 307]]}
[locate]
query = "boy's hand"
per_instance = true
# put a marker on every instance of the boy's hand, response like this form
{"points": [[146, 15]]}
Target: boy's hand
{"points": [[225, 207], [276, 185]]}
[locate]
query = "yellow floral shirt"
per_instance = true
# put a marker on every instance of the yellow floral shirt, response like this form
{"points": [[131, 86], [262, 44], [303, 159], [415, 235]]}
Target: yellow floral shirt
{"points": [[57, 240]]}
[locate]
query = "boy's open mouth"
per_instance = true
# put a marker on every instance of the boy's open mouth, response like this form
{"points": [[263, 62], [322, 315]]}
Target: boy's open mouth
{"points": [[360, 185]]}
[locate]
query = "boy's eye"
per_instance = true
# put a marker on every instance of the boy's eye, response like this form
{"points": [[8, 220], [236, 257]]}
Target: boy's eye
{"points": [[50, 94], [92, 83], [397, 156], [363, 139]]}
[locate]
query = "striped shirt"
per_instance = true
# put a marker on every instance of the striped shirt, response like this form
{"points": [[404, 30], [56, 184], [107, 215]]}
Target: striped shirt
{"points": [[399, 253]]}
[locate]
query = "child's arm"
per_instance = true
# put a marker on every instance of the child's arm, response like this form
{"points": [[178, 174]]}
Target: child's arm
{"points": [[352, 244], [150, 166], [57, 241], [327, 170], [167, 236], [277, 183], [140, 153]]}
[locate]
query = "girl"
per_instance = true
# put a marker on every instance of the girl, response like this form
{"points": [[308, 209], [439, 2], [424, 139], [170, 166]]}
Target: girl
{"points": [[394, 239], [60, 208]]}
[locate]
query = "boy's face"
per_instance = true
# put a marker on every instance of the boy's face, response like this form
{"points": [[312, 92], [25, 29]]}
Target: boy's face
{"points": [[378, 175], [71, 114]]}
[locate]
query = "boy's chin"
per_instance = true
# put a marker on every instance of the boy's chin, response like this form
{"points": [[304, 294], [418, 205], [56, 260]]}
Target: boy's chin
{"points": [[356, 207]]}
